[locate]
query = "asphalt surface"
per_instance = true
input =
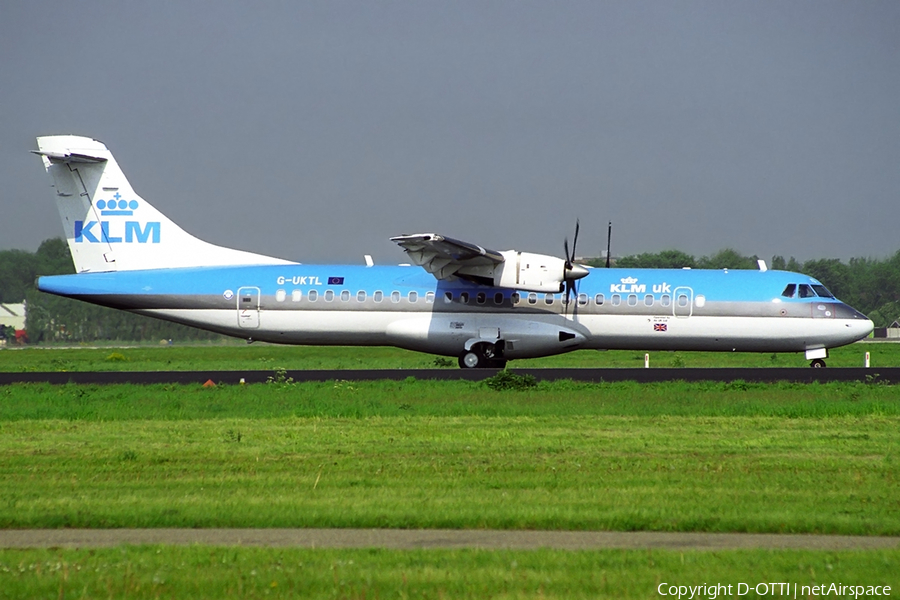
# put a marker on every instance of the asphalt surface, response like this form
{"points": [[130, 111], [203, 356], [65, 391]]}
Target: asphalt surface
{"points": [[409, 539], [766, 375]]}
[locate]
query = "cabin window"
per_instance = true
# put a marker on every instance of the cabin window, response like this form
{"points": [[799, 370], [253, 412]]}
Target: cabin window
{"points": [[789, 290], [395, 296], [361, 296], [280, 295], [682, 300], [632, 299], [413, 297], [296, 296], [822, 291], [548, 298], [615, 299], [665, 300], [648, 300], [700, 301], [480, 297], [532, 298], [498, 298], [806, 291], [429, 298], [515, 298], [345, 296], [582, 299], [464, 297], [313, 295], [598, 299], [448, 297], [378, 296], [329, 295]]}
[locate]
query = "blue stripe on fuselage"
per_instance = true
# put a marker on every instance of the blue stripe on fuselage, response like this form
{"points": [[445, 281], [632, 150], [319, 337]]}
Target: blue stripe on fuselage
{"points": [[716, 286]]}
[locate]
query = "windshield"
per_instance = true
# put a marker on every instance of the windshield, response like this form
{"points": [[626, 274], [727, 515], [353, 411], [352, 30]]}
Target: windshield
{"points": [[822, 291]]}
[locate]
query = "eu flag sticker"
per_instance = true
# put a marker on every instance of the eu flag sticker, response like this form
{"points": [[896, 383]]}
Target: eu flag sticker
{"points": [[335, 281]]}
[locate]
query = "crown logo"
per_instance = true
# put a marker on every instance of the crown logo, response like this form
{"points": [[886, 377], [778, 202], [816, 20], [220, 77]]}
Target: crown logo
{"points": [[117, 207], [628, 280]]}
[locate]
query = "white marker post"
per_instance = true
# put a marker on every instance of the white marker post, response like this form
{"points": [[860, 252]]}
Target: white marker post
{"points": [[647, 361], [867, 360]]}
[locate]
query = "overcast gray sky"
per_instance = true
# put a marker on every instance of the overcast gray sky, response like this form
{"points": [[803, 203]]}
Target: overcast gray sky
{"points": [[314, 131]]}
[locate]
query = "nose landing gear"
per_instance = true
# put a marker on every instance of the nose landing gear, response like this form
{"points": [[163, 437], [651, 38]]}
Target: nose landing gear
{"points": [[817, 356]]}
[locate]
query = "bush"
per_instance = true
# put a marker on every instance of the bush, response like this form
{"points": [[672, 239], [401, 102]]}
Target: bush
{"points": [[507, 380]]}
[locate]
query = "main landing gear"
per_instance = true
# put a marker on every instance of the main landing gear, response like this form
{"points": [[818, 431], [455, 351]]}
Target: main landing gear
{"points": [[482, 356], [817, 364]]}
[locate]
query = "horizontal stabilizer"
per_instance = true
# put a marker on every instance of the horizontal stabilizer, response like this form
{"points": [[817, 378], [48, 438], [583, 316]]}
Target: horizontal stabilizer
{"points": [[70, 157]]}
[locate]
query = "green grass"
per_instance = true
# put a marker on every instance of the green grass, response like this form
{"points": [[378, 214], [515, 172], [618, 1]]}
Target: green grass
{"points": [[202, 572], [692, 457], [234, 356], [411, 397], [562, 455]]}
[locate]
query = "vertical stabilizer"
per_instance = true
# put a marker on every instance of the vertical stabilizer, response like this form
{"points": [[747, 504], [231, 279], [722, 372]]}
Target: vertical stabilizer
{"points": [[109, 227]]}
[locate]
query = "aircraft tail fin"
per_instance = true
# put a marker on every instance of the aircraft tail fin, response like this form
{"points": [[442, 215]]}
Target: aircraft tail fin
{"points": [[109, 227]]}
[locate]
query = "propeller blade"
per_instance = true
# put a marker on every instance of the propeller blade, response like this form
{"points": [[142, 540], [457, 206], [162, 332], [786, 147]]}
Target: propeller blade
{"points": [[571, 272], [575, 241]]}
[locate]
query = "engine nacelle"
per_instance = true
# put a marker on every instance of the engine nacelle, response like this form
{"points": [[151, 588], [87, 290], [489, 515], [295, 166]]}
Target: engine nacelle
{"points": [[530, 272], [525, 271]]}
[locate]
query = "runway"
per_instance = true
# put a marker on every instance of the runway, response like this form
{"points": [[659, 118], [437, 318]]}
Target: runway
{"points": [[764, 375], [411, 539]]}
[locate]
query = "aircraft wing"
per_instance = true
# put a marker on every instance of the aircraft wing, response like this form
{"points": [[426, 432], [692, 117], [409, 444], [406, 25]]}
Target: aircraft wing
{"points": [[443, 257]]}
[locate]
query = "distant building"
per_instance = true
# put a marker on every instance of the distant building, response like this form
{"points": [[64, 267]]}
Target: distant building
{"points": [[12, 315], [12, 324], [888, 332]]}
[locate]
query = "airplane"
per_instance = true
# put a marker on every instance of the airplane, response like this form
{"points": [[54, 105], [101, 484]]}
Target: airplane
{"points": [[458, 299]]}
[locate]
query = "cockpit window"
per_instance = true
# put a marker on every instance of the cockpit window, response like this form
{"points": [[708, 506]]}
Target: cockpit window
{"points": [[806, 291], [822, 291], [789, 290]]}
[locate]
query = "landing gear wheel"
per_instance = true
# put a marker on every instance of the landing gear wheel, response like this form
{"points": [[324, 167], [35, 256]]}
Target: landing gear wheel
{"points": [[471, 359], [817, 364], [483, 356]]}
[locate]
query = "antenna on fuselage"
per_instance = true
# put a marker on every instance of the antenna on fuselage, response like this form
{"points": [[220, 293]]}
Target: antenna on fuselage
{"points": [[608, 241]]}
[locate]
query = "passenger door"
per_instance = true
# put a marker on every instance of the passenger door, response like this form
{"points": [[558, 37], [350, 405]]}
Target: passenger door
{"points": [[248, 307]]}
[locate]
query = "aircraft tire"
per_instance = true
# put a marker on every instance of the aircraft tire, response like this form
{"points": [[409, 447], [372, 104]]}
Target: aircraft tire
{"points": [[817, 364], [470, 359]]}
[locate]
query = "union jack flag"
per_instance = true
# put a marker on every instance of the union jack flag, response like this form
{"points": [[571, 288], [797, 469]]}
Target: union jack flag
{"points": [[660, 327]]}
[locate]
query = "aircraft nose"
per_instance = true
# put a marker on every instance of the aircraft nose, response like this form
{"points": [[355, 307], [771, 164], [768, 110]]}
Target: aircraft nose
{"points": [[575, 272], [858, 324]]}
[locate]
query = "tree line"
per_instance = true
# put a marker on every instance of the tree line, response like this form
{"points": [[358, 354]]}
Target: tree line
{"points": [[870, 285]]}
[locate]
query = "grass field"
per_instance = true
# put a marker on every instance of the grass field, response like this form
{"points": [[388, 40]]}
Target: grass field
{"points": [[692, 457], [203, 572], [238, 356], [560, 455]]}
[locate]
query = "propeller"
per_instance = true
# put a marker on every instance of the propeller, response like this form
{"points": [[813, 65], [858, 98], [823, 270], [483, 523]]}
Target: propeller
{"points": [[571, 271]]}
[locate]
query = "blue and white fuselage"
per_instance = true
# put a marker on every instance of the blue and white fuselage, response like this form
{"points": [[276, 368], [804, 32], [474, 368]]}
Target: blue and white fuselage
{"points": [[734, 310], [460, 299]]}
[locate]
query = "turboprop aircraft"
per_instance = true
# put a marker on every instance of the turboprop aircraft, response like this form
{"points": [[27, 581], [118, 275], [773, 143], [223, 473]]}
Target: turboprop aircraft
{"points": [[458, 299]]}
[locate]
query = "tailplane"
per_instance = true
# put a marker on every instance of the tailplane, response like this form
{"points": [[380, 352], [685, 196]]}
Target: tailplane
{"points": [[109, 227]]}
